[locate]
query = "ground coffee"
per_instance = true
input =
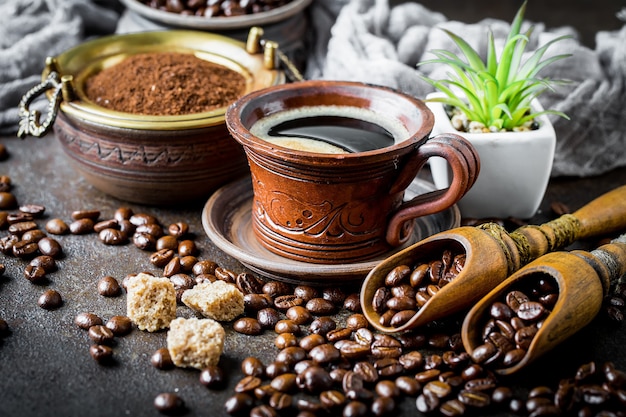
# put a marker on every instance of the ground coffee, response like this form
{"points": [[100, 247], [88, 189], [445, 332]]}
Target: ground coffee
{"points": [[162, 84]]}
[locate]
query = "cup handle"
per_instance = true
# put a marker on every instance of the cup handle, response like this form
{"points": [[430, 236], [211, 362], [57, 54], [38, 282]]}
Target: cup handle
{"points": [[465, 165]]}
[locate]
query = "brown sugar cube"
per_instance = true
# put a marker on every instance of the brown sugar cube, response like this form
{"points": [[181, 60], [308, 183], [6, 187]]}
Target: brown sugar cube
{"points": [[195, 343], [150, 302], [219, 300]]}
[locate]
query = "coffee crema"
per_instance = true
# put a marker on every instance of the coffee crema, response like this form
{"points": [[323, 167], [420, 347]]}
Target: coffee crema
{"points": [[330, 129]]}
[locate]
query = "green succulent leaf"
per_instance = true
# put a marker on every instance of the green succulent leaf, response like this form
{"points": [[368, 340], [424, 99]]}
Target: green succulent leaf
{"points": [[496, 91]]}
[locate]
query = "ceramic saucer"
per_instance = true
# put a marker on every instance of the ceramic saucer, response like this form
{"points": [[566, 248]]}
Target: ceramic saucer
{"points": [[227, 220]]}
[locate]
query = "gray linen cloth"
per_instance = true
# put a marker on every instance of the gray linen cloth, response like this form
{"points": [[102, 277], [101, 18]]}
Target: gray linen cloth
{"points": [[370, 41], [30, 31]]}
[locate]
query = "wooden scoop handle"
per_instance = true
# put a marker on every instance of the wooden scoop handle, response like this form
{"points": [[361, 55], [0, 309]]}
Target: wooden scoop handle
{"points": [[606, 214]]}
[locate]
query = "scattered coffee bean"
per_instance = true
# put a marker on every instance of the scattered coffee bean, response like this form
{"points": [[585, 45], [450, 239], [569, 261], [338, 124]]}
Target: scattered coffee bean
{"points": [[109, 287], [213, 377], [87, 320], [161, 359], [101, 353], [101, 334], [119, 325], [169, 403], [50, 300]]}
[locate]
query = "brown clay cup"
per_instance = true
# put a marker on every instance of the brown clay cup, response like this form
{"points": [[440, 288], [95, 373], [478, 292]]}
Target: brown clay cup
{"points": [[343, 208]]}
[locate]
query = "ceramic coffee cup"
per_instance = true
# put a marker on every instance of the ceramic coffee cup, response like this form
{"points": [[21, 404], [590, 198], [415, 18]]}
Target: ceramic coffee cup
{"points": [[330, 161]]}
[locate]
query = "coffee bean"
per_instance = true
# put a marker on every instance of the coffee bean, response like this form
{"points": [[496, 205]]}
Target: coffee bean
{"points": [[50, 300], [47, 263], [332, 399], [276, 368], [248, 384], [253, 366], [22, 227], [322, 325], [7, 201], [156, 231], [161, 359], [397, 275], [163, 242], [123, 213], [224, 274], [427, 403], [169, 403], [284, 340], [178, 229], [50, 247], [162, 257], [291, 355], [477, 399], [85, 214], [173, 267], [204, 267], [286, 326], [142, 218], [188, 247], [57, 227], [285, 382], [120, 325], [25, 250], [239, 404], [256, 302], [387, 388], [325, 353], [34, 235], [268, 317], [248, 283], [299, 315], [408, 385], [310, 341], [320, 306], [314, 379], [105, 224], [285, 302], [109, 287], [213, 377], [81, 226], [35, 274], [352, 303], [112, 236], [356, 321], [101, 353], [101, 334], [86, 320], [263, 410], [248, 325], [305, 292]]}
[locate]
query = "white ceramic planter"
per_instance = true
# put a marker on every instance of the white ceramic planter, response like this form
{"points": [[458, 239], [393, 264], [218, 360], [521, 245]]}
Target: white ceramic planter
{"points": [[515, 168]]}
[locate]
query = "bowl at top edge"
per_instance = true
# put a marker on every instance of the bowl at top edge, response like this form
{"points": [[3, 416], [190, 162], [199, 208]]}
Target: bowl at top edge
{"points": [[153, 160]]}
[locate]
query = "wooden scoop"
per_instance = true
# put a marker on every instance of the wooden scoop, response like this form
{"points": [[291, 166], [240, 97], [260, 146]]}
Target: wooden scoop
{"points": [[492, 255], [582, 279]]}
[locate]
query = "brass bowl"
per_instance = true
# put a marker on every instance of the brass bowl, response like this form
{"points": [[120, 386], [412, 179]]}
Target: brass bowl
{"points": [[153, 160]]}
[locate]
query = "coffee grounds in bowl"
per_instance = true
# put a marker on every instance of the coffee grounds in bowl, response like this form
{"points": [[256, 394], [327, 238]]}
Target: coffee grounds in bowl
{"points": [[165, 84]]}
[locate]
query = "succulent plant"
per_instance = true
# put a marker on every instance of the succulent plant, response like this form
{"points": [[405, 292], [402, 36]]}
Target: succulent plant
{"points": [[496, 92]]}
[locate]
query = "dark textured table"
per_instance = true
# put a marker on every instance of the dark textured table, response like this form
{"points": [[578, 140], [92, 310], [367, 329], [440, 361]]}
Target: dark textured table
{"points": [[45, 366]]}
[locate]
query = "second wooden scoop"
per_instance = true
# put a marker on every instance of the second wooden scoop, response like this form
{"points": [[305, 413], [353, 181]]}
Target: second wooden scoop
{"points": [[492, 255], [582, 280]]}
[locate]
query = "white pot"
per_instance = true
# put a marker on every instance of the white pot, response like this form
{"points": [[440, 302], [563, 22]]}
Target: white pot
{"points": [[515, 168]]}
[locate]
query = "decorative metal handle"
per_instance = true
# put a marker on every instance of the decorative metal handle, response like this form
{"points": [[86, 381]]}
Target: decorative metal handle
{"points": [[272, 55], [30, 123]]}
